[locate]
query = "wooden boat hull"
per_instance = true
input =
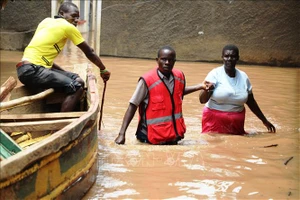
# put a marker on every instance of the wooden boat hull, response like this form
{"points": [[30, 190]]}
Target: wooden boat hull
{"points": [[63, 166]]}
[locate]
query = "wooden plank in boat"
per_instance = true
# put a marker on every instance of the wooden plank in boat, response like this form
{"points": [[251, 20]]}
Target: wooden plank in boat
{"points": [[40, 116], [35, 126], [7, 87]]}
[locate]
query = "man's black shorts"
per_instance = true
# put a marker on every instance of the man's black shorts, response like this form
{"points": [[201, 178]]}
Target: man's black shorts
{"points": [[39, 76]]}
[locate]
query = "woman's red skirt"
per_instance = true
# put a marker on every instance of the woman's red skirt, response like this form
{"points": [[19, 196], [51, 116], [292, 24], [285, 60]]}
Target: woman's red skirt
{"points": [[214, 121]]}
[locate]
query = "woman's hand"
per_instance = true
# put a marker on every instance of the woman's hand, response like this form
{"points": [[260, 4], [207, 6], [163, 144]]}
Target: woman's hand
{"points": [[209, 86], [205, 94], [269, 126]]}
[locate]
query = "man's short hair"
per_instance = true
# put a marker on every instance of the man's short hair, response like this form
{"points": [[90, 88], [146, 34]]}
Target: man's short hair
{"points": [[65, 7], [163, 48], [231, 47]]}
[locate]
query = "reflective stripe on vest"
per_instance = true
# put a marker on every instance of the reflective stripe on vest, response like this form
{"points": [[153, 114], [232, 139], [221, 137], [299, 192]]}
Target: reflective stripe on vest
{"points": [[163, 119], [179, 79], [154, 84]]}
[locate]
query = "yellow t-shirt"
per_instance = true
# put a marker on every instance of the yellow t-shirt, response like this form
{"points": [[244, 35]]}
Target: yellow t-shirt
{"points": [[49, 39]]}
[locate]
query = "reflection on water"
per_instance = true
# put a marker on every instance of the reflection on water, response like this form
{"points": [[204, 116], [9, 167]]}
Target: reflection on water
{"points": [[201, 166]]}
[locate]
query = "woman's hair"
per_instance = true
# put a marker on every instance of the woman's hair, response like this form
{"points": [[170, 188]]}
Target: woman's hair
{"points": [[231, 47], [65, 7]]}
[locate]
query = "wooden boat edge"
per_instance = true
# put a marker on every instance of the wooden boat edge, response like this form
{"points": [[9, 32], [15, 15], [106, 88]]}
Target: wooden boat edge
{"points": [[55, 142]]}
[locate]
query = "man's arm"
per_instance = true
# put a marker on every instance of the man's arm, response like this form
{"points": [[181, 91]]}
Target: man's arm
{"points": [[206, 86], [194, 88], [126, 121], [138, 96], [94, 58]]}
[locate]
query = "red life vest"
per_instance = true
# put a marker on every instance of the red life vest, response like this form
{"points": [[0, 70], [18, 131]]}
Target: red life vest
{"points": [[163, 114]]}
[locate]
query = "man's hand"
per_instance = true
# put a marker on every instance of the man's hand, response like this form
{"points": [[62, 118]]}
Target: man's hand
{"points": [[120, 139], [105, 75]]}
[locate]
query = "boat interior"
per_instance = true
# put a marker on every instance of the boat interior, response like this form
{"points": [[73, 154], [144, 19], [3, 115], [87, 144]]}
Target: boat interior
{"points": [[29, 115]]}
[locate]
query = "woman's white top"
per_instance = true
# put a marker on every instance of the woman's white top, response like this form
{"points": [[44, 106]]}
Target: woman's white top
{"points": [[230, 93]]}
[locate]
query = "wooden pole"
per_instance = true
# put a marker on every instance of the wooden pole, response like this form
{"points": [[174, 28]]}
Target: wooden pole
{"points": [[101, 107], [25, 100]]}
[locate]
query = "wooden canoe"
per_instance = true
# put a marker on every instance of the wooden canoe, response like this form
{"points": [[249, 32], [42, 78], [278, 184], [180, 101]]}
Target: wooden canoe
{"points": [[49, 154]]}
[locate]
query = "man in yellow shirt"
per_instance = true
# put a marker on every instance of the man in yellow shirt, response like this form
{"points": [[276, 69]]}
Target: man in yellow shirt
{"points": [[37, 68]]}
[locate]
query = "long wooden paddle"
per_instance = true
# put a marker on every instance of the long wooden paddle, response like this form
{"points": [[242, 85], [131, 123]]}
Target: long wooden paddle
{"points": [[102, 103]]}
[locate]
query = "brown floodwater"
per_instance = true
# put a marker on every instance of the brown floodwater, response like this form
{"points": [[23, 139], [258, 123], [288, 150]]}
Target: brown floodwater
{"points": [[201, 166]]}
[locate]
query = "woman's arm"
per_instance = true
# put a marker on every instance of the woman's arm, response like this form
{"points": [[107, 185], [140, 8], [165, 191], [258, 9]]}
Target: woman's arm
{"points": [[252, 104], [206, 94]]}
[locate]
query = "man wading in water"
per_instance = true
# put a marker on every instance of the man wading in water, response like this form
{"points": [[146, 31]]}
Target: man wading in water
{"points": [[159, 96]]}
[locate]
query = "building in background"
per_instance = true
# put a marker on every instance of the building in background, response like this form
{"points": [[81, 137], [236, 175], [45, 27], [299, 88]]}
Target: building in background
{"points": [[19, 20], [266, 32]]}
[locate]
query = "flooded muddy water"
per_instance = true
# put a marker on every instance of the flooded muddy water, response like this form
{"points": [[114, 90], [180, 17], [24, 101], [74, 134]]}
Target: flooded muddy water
{"points": [[200, 166]]}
